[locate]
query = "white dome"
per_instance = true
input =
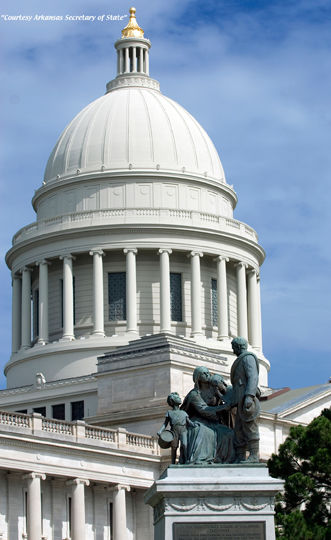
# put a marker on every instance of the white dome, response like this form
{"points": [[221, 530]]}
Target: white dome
{"points": [[133, 128]]}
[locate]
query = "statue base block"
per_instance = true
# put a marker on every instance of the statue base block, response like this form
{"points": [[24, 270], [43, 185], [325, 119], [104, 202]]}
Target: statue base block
{"points": [[204, 502]]}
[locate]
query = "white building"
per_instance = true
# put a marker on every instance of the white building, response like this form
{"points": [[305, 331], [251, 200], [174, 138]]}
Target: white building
{"points": [[136, 259]]}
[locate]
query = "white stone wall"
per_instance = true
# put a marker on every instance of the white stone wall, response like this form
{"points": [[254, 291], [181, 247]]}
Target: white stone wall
{"points": [[142, 194]]}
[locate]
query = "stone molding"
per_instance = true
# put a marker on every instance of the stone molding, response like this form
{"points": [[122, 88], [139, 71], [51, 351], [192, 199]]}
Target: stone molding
{"points": [[213, 504], [133, 80]]}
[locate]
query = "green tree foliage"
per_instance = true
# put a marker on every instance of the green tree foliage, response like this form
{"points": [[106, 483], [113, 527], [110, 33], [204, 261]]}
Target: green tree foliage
{"points": [[304, 462]]}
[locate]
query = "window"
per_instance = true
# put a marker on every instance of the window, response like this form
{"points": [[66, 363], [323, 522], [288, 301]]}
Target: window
{"points": [[77, 410], [176, 296], [58, 411], [111, 521], [74, 299], [35, 313], [40, 410], [214, 314], [117, 296], [69, 514], [22, 411]]}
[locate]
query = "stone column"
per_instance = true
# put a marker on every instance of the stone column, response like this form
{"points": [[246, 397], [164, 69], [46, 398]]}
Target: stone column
{"points": [[119, 512], [43, 302], [33, 511], [241, 300], [126, 60], [222, 298], [98, 307], [147, 62], [134, 59], [16, 312], [131, 290], [259, 312], [68, 298], [26, 308], [253, 309], [78, 508], [141, 60], [165, 314], [196, 293]]}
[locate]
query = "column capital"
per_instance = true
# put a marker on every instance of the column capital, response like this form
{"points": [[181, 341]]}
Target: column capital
{"points": [[252, 270], [67, 256], [96, 252], [33, 475], [194, 253], [130, 250], [220, 258], [164, 250], [118, 487], [15, 275], [77, 482], [25, 269], [241, 264], [43, 261]]}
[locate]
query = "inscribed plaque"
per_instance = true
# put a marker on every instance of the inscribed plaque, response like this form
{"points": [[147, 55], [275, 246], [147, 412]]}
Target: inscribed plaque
{"points": [[240, 530]]}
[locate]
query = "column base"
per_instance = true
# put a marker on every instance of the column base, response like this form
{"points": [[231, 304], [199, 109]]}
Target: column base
{"points": [[132, 332], [98, 334], [198, 335], [67, 338], [223, 338], [42, 342]]}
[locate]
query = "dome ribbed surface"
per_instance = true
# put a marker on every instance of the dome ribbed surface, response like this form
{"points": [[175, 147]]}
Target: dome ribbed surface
{"points": [[133, 128]]}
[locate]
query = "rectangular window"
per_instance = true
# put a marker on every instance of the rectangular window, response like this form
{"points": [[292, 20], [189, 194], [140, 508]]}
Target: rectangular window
{"points": [[74, 299], [40, 410], [77, 410], [176, 296], [58, 411], [69, 513], [35, 313], [22, 411], [111, 521], [117, 296], [214, 314]]}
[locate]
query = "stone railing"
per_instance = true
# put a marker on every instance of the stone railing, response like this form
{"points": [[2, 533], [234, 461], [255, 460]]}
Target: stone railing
{"points": [[114, 216], [15, 419], [78, 431]]}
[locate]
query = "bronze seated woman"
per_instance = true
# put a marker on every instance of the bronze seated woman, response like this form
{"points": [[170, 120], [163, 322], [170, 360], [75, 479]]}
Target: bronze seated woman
{"points": [[211, 440]]}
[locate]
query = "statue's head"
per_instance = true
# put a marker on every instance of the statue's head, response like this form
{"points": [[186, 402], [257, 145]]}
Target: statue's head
{"points": [[219, 382], [201, 374], [173, 399], [239, 345]]}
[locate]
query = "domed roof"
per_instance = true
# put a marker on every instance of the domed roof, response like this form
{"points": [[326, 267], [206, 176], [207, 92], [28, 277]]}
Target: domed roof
{"points": [[133, 128]]}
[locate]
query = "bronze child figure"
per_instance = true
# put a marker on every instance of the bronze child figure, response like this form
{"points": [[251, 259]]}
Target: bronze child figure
{"points": [[179, 422]]}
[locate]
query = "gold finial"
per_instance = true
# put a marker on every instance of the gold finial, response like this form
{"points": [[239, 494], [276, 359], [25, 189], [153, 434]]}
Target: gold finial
{"points": [[132, 29]]}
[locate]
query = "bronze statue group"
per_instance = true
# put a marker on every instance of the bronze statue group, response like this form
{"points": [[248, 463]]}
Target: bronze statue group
{"points": [[216, 423]]}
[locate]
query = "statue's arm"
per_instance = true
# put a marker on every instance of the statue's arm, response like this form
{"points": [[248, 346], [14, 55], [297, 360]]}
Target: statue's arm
{"points": [[164, 425], [252, 375], [202, 409]]}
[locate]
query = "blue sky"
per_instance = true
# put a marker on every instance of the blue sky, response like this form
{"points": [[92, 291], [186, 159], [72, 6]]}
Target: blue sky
{"points": [[257, 76]]}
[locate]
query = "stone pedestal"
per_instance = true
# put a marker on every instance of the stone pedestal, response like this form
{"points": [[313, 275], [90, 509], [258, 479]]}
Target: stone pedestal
{"points": [[234, 502]]}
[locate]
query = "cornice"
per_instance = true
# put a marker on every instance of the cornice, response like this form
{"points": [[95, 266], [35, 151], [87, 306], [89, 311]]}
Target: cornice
{"points": [[108, 241]]}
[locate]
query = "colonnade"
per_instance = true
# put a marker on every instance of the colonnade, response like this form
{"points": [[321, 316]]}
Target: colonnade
{"points": [[77, 493], [248, 299], [136, 61]]}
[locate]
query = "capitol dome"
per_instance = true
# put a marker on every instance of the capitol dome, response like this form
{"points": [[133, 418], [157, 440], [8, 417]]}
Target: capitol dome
{"points": [[133, 127], [134, 229]]}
